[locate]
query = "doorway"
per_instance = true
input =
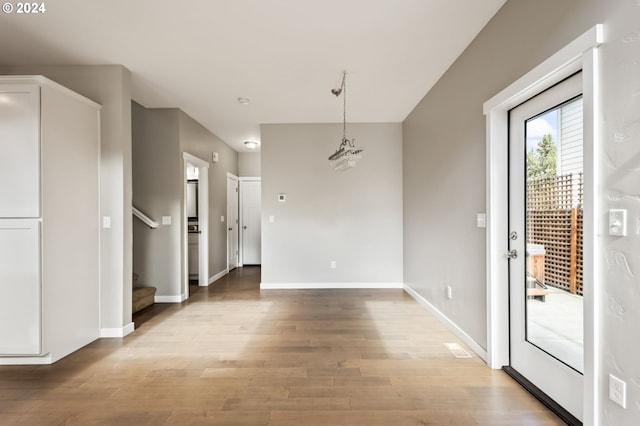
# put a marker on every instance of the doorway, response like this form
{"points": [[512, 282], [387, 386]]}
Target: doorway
{"points": [[195, 223], [579, 55], [232, 222], [546, 243]]}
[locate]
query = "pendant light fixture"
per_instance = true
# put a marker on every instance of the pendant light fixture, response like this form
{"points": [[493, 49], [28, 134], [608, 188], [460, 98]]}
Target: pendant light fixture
{"points": [[347, 155]]}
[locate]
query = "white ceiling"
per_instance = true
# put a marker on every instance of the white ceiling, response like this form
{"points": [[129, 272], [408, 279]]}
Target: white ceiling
{"points": [[284, 55]]}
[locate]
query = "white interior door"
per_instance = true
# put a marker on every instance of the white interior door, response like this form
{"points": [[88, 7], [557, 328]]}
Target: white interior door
{"points": [[251, 222], [232, 222], [545, 205]]}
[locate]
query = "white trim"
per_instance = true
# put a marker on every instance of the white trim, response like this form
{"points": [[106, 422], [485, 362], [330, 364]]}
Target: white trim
{"points": [[559, 66], [170, 299], [593, 300], [203, 222], [237, 202], [579, 54], [117, 331], [217, 276], [196, 161], [314, 286], [26, 360], [459, 332]]}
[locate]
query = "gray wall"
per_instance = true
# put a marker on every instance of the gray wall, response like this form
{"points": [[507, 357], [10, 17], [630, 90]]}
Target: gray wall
{"points": [[160, 137], [198, 141], [352, 217], [249, 164], [444, 172], [157, 189], [108, 85]]}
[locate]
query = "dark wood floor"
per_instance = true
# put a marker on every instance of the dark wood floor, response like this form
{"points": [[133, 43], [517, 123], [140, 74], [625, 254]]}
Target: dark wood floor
{"points": [[235, 355]]}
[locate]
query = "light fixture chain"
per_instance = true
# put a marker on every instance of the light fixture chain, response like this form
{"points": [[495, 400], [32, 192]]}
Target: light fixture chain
{"points": [[344, 106]]}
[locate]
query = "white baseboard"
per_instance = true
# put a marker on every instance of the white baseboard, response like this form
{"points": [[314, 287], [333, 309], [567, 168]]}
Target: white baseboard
{"points": [[117, 331], [218, 276], [312, 286], [460, 333], [26, 360], [169, 299]]}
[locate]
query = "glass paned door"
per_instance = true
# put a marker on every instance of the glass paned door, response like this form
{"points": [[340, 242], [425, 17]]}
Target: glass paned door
{"points": [[554, 286], [545, 242]]}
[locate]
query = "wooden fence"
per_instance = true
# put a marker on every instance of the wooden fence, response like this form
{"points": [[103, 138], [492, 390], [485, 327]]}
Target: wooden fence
{"points": [[554, 220]]}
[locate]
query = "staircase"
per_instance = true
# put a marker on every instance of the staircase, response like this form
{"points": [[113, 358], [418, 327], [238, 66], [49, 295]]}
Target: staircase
{"points": [[141, 296]]}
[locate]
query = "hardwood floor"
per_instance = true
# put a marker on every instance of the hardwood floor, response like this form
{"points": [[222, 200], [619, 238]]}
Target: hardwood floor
{"points": [[235, 355]]}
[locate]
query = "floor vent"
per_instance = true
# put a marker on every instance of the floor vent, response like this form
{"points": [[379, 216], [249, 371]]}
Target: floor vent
{"points": [[457, 350]]}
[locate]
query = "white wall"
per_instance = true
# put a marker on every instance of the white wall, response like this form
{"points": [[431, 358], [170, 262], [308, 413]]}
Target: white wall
{"points": [[249, 164], [352, 217], [444, 173], [110, 86]]}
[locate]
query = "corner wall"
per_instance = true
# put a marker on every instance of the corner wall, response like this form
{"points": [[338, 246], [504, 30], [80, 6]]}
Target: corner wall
{"points": [[353, 217], [198, 141]]}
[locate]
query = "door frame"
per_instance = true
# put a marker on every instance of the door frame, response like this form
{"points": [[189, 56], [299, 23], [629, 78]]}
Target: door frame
{"points": [[580, 54], [203, 223], [236, 179], [242, 180]]}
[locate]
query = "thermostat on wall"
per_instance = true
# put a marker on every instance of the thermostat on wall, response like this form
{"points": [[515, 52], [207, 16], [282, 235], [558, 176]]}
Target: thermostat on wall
{"points": [[282, 198]]}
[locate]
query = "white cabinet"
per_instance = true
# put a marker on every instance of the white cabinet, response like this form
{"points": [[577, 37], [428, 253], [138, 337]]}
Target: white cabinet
{"points": [[49, 217], [20, 314], [19, 150]]}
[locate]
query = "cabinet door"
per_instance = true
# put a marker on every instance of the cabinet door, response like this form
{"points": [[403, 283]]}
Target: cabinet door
{"points": [[20, 313], [20, 148]]}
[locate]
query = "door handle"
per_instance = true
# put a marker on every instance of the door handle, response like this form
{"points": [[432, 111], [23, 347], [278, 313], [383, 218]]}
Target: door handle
{"points": [[244, 227], [230, 229], [511, 254]]}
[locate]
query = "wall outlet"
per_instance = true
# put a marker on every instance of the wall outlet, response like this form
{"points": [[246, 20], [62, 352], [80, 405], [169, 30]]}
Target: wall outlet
{"points": [[333, 264], [166, 220], [618, 222], [106, 222], [617, 391], [449, 292]]}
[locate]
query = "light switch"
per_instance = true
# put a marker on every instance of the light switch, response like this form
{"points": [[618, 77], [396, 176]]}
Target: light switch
{"points": [[481, 220], [221, 218], [166, 220], [106, 222], [272, 219], [618, 222]]}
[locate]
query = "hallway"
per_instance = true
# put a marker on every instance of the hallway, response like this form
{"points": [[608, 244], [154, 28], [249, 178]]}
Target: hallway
{"points": [[235, 355]]}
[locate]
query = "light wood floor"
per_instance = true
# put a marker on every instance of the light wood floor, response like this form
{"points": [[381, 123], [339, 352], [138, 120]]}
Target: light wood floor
{"points": [[233, 355]]}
